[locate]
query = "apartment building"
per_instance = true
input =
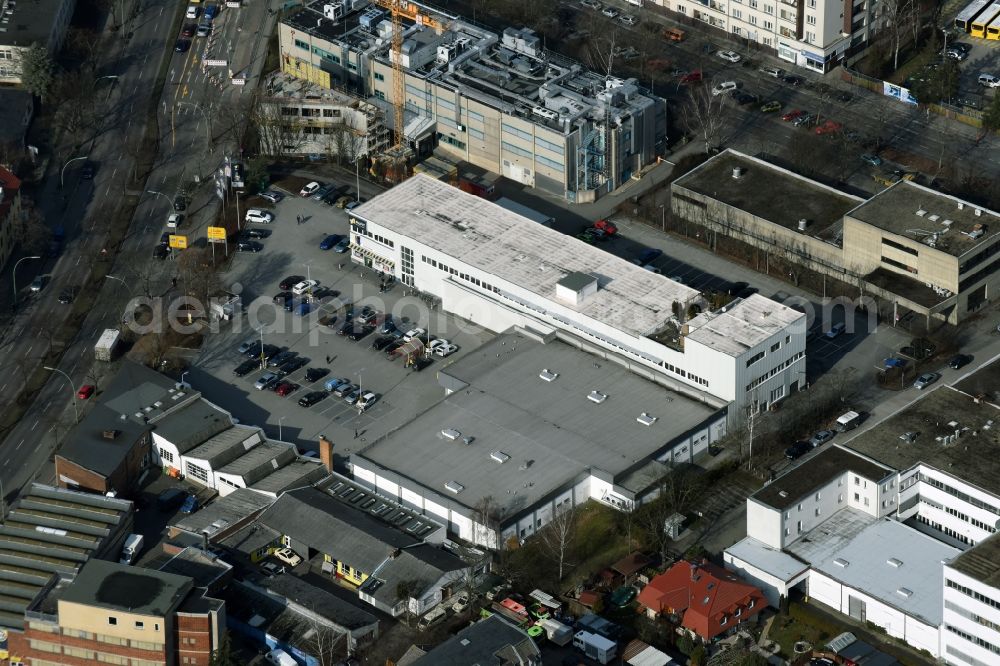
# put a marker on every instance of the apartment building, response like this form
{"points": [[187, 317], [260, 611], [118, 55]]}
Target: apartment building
{"points": [[898, 527], [501, 102], [118, 614], [23, 24], [912, 247], [10, 213], [498, 269], [814, 34]]}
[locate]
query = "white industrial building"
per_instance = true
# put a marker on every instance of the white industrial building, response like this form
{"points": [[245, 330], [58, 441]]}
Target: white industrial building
{"points": [[534, 424], [498, 269], [898, 527]]}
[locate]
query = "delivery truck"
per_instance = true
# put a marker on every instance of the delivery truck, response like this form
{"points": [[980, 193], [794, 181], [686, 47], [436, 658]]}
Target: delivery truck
{"points": [[848, 421], [131, 549], [106, 345]]}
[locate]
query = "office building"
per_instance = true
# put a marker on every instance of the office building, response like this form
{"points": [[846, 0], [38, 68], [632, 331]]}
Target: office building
{"points": [[22, 24], [10, 213], [499, 101]]}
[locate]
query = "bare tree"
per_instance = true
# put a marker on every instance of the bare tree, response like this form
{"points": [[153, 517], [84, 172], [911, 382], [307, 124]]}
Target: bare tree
{"points": [[674, 494], [274, 132], [559, 536], [31, 233], [325, 643], [704, 114]]}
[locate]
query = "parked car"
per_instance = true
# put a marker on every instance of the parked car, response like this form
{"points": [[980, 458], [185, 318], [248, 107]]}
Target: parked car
{"points": [[85, 392], [182, 45], [192, 12], [873, 160], [246, 367], [773, 72], [175, 220], [322, 192], [693, 76], [342, 245], [310, 189], [280, 358], [304, 287], [445, 350], [382, 342], [461, 603], [302, 309], [249, 246], [170, 499], [160, 251], [284, 388], [269, 351], [610, 12], [353, 397], [729, 56], [66, 296], [330, 241], [344, 389], [290, 282], [828, 127], [354, 204], [360, 332], [592, 4], [413, 333], [273, 569], [37, 283], [959, 360], [835, 331], [723, 87], [288, 556], [310, 399], [272, 196], [180, 203], [792, 80], [792, 115], [771, 107], [925, 380], [804, 119], [190, 504], [254, 234], [366, 400], [266, 380], [316, 374], [822, 437], [797, 450], [204, 30], [259, 216], [989, 81], [743, 98]]}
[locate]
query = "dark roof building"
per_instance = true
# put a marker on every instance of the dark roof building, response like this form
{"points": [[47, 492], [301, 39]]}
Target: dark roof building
{"points": [[491, 641]]}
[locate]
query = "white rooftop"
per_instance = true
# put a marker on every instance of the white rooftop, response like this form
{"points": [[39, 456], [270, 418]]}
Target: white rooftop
{"points": [[894, 563], [770, 560], [744, 325], [525, 253]]}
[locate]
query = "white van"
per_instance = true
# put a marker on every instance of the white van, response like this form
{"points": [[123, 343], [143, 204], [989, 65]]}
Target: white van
{"points": [[848, 421], [279, 657], [989, 80]]}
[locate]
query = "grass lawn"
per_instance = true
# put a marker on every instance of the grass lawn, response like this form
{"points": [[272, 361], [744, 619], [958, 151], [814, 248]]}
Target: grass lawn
{"points": [[785, 631]]}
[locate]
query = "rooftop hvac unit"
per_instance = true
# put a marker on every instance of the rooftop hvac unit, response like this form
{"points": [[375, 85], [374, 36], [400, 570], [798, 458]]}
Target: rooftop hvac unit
{"points": [[645, 419], [454, 486], [450, 433], [978, 212], [500, 457], [547, 375], [803, 223], [333, 10], [597, 396], [738, 172], [542, 112], [921, 212]]}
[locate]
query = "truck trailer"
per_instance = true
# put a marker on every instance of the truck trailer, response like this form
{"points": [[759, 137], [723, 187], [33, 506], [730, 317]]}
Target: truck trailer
{"points": [[106, 345], [132, 548], [596, 647]]}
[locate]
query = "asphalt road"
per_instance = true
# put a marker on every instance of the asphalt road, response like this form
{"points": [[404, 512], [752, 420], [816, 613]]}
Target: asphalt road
{"points": [[147, 39]]}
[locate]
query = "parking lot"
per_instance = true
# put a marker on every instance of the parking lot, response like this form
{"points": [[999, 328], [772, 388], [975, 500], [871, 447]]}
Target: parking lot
{"points": [[293, 249]]}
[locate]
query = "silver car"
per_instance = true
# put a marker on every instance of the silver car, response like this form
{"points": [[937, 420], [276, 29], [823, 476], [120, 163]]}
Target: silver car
{"points": [[266, 380], [925, 380]]}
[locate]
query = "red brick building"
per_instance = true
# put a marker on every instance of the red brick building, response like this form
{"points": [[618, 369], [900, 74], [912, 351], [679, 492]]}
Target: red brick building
{"points": [[110, 613], [709, 599], [10, 211]]}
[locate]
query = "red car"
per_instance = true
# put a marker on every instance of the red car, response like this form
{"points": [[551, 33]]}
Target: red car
{"points": [[791, 115], [829, 127], [284, 388], [85, 392], [692, 77], [189, 30]]}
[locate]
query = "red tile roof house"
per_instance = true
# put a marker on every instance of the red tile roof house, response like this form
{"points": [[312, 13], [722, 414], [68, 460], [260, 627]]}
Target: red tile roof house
{"points": [[709, 599]]}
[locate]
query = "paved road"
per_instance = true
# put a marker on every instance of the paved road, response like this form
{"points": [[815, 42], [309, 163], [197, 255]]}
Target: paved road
{"points": [[151, 35]]}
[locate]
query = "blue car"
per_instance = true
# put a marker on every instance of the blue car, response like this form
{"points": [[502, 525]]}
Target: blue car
{"points": [[190, 504], [329, 242], [303, 309], [648, 255], [211, 11]]}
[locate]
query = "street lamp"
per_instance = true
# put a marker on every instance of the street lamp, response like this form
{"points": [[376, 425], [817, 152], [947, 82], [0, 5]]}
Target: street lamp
{"points": [[127, 285], [162, 195], [13, 276], [357, 177], [184, 374], [62, 174], [279, 428], [72, 391], [663, 218], [308, 271]]}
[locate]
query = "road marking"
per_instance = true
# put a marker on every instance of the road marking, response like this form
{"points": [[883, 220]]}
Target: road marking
{"points": [[78, 260], [114, 172], [34, 426], [29, 349], [19, 444], [2, 388]]}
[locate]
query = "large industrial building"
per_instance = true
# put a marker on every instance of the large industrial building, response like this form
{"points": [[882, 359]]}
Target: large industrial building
{"points": [[912, 247], [898, 527], [498, 269], [524, 431], [500, 102]]}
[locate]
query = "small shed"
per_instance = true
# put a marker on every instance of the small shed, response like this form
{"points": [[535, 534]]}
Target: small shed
{"points": [[630, 565]]}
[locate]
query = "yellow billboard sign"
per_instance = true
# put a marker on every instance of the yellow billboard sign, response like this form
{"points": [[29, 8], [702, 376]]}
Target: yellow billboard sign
{"points": [[178, 242], [217, 233]]}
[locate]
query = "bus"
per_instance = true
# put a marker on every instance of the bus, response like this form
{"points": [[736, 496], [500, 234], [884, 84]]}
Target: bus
{"points": [[980, 23], [993, 29], [965, 18]]}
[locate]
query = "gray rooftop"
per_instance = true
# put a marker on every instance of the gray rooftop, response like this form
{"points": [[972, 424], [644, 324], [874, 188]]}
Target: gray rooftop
{"points": [[983, 384], [774, 561], [226, 446], [31, 22], [134, 399], [238, 505], [815, 472], [973, 456], [314, 594], [256, 463], [204, 568], [126, 588], [895, 564], [52, 531], [530, 436], [16, 107], [250, 539], [295, 474], [981, 562], [907, 206], [489, 641], [190, 426], [525, 253], [770, 193], [744, 325]]}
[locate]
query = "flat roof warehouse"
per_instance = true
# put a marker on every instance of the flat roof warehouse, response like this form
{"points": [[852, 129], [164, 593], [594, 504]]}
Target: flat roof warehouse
{"points": [[524, 418], [493, 239]]}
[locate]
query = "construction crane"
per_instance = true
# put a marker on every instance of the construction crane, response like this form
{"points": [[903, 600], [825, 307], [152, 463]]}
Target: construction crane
{"points": [[396, 156]]}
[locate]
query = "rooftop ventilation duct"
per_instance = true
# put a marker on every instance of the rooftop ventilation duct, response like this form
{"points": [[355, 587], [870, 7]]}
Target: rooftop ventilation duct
{"points": [[500, 457], [738, 172], [547, 375], [803, 223], [450, 433], [597, 396], [454, 486], [645, 419]]}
